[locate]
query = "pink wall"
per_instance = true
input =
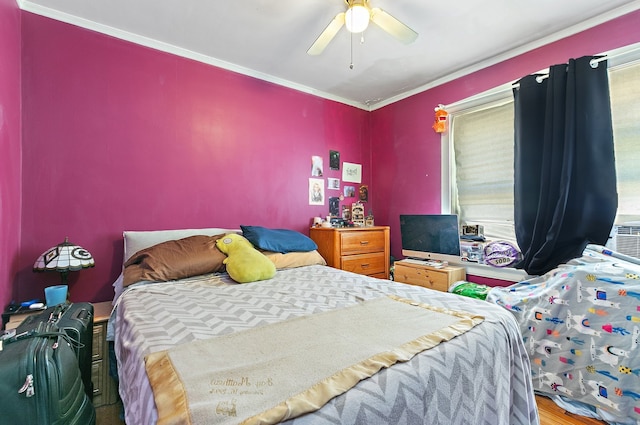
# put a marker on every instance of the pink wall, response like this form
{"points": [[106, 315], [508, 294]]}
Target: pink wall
{"points": [[10, 118], [121, 137], [406, 157]]}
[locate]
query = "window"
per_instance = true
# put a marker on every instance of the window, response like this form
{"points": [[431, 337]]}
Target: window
{"points": [[478, 151]]}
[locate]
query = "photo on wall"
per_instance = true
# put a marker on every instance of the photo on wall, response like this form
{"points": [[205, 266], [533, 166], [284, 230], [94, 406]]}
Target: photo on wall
{"points": [[316, 191], [334, 160], [349, 191], [316, 166], [333, 184], [363, 193], [346, 212], [334, 206]]}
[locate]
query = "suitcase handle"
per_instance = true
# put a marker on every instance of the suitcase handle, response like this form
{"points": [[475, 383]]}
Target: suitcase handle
{"points": [[46, 334], [57, 312], [83, 314]]}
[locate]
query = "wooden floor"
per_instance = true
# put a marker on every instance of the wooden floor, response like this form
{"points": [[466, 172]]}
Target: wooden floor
{"points": [[109, 415], [550, 414]]}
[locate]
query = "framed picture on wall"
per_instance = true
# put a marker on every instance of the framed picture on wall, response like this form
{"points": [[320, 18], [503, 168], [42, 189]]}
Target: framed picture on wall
{"points": [[316, 191], [351, 172]]}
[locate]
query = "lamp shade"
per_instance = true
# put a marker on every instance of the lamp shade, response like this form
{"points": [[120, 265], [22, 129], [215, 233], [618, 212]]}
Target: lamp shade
{"points": [[64, 257]]}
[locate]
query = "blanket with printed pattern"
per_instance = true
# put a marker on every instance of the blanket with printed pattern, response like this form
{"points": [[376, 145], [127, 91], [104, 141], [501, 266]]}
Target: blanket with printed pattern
{"points": [[581, 326]]}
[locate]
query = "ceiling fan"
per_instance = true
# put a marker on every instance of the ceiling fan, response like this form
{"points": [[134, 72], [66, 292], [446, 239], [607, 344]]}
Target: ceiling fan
{"points": [[356, 18]]}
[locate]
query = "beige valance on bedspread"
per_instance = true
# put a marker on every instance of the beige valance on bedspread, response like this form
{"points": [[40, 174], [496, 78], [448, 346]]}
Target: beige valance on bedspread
{"points": [[279, 371]]}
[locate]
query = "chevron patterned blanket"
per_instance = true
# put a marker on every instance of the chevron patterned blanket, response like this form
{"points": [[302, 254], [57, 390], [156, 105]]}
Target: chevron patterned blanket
{"points": [[479, 377], [258, 376]]}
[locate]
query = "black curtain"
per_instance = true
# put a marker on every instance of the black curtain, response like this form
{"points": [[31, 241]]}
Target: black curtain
{"points": [[565, 180]]}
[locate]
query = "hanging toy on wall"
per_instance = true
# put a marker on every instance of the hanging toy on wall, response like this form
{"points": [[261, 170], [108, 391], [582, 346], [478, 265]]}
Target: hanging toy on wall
{"points": [[440, 125]]}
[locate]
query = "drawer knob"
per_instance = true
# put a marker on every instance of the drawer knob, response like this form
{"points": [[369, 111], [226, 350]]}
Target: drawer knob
{"points": [[364, 266], [364, 242]]}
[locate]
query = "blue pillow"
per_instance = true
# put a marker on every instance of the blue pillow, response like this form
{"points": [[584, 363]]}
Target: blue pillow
{"points": [[278, 240]]}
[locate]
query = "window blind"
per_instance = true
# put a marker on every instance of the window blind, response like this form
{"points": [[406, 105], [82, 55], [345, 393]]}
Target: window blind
{"points": [[624, 87], [483, 152]]}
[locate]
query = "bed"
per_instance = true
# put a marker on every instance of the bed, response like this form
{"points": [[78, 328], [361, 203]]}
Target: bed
{"points": [[480, 375], [581, 326]]}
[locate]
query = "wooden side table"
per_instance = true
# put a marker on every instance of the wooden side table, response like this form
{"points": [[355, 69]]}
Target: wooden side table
{"points": [[104, 387], [13, 320], [428, 277]]}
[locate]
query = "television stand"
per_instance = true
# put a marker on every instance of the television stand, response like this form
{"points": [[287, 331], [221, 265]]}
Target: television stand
{"points": [[417, 272]]}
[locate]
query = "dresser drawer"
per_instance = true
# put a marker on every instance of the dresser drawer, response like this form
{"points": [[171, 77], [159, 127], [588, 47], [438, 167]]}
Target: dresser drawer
{"points": [[105, 390], [367, 264], [362, 242], [98, 341], [97, 377], [432, 279]]}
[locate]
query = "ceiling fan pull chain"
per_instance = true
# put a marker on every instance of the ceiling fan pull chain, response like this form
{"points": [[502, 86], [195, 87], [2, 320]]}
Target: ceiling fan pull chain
{"points": [[351, 48]]}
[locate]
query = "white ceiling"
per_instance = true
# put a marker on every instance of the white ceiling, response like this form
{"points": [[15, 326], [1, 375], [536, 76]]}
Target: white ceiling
{"points": [[268, 39]]}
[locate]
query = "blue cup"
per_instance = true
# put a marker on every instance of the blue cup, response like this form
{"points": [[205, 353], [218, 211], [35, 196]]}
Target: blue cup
{"points": [[55, 295]]}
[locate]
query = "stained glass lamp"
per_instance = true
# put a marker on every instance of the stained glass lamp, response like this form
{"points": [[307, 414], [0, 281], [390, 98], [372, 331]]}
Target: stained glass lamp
{"points": [[64, 258]]}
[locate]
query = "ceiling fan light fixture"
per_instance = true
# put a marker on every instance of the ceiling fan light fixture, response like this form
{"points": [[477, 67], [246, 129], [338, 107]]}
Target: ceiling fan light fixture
{"points": [[357, 17]]}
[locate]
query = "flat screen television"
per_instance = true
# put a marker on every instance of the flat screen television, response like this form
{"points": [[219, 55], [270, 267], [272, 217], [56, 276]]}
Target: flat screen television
{"points": [[431, 237]]}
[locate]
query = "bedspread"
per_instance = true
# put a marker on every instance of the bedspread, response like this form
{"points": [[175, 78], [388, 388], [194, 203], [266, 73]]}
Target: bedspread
{"points": [[480, 377], [581, 324]]}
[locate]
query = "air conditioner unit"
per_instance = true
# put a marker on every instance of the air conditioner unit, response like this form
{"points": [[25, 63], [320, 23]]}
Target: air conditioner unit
{"points": [[626, 240]]}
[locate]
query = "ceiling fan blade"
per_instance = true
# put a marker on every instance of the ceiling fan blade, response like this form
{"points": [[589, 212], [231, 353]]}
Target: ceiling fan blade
{"points": [[394, 27], [327, 35]]}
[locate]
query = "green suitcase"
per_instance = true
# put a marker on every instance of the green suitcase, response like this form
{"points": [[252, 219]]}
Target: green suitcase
{"points": [[40, 380]]}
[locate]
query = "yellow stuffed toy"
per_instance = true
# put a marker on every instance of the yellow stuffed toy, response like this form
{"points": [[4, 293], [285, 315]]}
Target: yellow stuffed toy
{"points": [[244, 262]]}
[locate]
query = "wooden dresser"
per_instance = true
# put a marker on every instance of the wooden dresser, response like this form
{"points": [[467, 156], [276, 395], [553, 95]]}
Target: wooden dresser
{"points": [[363, 250], [429, 277]]}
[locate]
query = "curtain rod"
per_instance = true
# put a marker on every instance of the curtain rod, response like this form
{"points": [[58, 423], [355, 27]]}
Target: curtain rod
{"points": [[618, 57], [593, 62]]}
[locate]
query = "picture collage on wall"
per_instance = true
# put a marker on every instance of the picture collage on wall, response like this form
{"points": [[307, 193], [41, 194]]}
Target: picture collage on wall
{"points": [[352, 191]]}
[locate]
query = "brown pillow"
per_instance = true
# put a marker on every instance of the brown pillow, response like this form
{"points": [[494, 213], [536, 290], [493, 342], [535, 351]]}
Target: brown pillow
{"points": [[295, 259], [175, 259]]}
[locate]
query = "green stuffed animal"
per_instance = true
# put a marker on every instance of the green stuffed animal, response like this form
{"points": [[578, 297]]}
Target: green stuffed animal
{"points": [[244, 262]]}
